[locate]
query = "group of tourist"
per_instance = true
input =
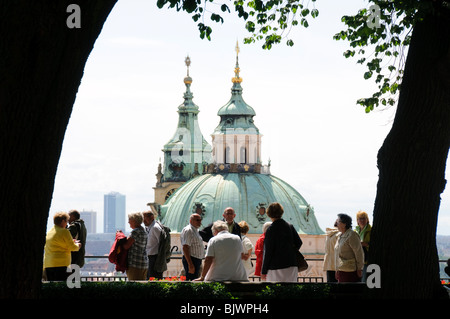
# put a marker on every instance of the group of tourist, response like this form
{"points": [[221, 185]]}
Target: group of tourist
{"points": [[346, 250], [228, 249], [228, 252]]}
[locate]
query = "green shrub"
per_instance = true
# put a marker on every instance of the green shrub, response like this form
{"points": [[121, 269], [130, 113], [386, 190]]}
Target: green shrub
{"points": [[294, 291], [135, 290]]}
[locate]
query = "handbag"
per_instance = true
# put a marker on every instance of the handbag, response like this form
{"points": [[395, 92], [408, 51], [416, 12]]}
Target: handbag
{"points": [[301, 262]]}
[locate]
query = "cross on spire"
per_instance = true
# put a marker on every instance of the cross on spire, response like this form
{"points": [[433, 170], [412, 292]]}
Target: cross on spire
{"points": [[188, 63], [236, 78], [187, 79]]}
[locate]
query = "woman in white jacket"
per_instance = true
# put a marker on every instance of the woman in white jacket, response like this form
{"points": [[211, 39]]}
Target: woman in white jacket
{"points": [[247, 246], [349, 252]]}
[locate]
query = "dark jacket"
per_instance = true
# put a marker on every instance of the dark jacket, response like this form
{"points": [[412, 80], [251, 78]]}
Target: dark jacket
{"points": [[207, 234], [78, 231], [280, 241]]}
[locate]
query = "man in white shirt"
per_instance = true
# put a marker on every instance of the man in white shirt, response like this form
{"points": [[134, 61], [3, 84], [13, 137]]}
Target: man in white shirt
{"points": [[153, 229], [193, 251], [224, 255]]}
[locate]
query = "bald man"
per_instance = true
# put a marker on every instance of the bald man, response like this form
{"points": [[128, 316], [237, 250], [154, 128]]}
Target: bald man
{"points": [[228, 216]]}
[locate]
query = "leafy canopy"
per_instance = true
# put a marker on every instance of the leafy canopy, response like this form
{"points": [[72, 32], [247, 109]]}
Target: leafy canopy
{"points": [[384, 27]]}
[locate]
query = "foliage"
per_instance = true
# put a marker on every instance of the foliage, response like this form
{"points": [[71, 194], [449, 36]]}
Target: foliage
{"points": [[135, 290], [385, 27], [268, 20], [295, 291]]}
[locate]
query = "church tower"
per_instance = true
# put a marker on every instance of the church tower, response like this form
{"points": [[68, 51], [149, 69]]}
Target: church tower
{"points": [[236, 140], [187, 154]]}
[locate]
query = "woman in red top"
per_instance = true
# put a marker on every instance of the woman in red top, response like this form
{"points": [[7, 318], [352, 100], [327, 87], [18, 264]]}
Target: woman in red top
{"points": [[259, 249]]}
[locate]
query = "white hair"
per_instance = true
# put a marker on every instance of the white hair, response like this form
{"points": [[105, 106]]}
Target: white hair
{"points": [[137, 217], [219, 226], [265, 226]]}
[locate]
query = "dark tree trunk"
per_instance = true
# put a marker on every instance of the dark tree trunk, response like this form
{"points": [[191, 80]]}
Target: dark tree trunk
{"points": [[411, 166], [41, 66]]}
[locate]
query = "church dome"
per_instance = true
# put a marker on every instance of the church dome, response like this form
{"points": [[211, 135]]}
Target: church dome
{"points": [[249, 194], [236, 106]]}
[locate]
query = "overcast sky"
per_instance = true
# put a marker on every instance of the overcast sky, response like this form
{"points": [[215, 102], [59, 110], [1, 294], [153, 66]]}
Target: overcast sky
{"points": [[316, 137]]}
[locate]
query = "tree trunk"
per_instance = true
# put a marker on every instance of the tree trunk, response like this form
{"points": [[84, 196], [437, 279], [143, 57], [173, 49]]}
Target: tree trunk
{"points": [[411, 166], [41, 66]]}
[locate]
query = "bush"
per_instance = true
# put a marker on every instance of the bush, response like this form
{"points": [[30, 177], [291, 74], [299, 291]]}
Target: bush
{"points": [[135, 290], [295, 291]]}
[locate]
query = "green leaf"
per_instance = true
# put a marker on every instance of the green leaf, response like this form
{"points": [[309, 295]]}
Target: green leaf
{"points": [[224, 8]]}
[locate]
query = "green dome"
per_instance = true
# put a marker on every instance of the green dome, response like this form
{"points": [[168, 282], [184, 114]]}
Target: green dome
{"points": [[236, 105], [249, 194]]}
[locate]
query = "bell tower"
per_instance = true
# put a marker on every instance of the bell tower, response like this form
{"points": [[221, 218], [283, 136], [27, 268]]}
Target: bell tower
{"points": [[187, 154], [236, 140]]}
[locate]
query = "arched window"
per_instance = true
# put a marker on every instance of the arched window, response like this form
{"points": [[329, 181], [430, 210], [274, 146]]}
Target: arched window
{"points": [[227, 155], [243, 155]]}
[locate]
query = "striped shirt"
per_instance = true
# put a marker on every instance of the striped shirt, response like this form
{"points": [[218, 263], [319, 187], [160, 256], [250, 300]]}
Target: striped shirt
{"points": [[137, 256], [191, 237]]}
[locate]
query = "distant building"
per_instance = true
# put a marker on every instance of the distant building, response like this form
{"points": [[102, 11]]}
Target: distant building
{"points": [[90, 220], [114, 212]]}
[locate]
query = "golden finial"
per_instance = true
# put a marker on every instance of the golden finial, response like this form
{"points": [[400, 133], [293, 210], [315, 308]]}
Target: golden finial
{"points": [[236, 78], [187, 79]]}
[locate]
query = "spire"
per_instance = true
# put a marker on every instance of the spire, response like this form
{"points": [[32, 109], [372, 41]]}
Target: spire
{"points": [[187, 146], [236, 78], [188, 96], [236, 105]]}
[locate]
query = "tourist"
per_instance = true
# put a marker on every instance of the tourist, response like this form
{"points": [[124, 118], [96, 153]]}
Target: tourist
{"points": [[153, 229], [329, 260], [247, 246], [223, 261], [363, 230], [136, 244], [348, 252], [192, 245], [281, 241], [228, 215], [259, 249], [78, 231], [58, 247]]}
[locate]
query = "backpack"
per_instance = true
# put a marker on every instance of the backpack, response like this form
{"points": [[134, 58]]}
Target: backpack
{"points": [[164, 252]]}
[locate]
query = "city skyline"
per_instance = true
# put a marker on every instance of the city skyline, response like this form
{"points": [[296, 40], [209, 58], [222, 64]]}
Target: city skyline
{"points": [[315, 136]]}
